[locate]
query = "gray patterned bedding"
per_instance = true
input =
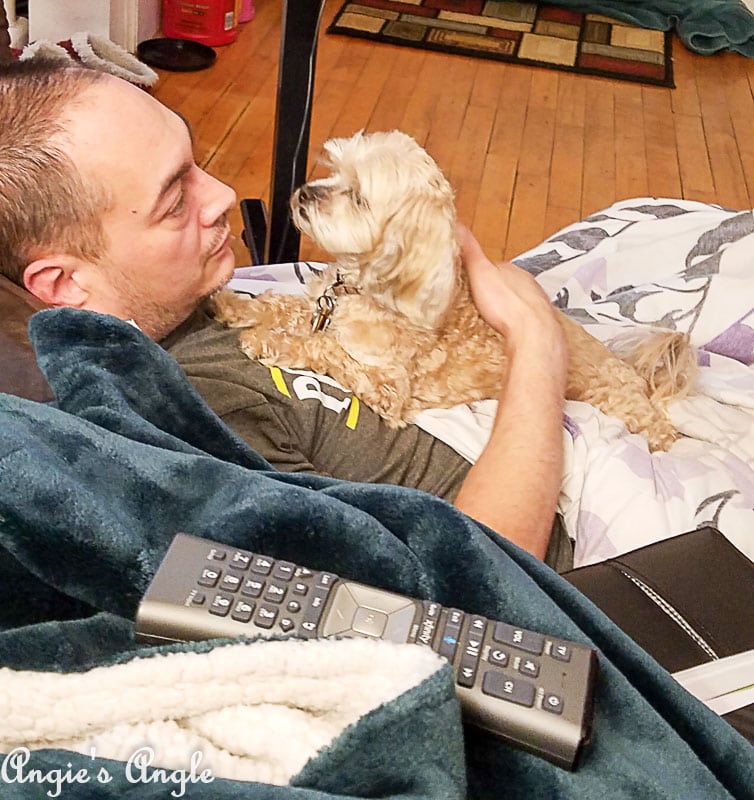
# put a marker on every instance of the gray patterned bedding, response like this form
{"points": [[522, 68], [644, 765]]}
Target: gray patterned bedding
{"points": [[641, 263]]}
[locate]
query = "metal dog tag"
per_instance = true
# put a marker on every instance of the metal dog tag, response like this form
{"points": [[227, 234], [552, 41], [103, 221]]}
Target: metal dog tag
{"points": [[321, 317]]}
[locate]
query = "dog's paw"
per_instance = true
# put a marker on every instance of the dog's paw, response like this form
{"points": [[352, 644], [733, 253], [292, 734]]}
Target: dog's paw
{"points": [[660, 434], [259, 347], [231, 308], [394, 421], [387, 399], [268, 311]]}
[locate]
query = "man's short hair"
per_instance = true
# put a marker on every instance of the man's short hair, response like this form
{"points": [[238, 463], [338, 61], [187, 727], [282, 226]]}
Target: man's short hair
{"points": [[45, 202]]}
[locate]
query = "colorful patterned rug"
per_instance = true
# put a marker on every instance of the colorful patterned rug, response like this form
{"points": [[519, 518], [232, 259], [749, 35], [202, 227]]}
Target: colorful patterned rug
{"points": [[520, 33]]}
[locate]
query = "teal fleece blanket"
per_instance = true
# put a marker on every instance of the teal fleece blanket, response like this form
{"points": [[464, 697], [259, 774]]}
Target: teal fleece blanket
{"points": [[92, 490], [704, 26]]}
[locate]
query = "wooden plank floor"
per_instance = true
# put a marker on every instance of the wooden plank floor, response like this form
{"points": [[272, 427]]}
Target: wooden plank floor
{"points": [[527, 150]]}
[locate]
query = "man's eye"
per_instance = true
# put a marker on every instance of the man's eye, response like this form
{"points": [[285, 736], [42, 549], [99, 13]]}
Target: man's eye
{"points": [[178, 207]]}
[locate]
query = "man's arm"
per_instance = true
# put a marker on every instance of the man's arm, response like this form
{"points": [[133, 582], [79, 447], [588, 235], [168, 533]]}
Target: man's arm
{"points": [[513, 487]]}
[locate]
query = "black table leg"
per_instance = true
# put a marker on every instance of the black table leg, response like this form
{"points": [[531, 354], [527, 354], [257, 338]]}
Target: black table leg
{"points": [[298, 51]]}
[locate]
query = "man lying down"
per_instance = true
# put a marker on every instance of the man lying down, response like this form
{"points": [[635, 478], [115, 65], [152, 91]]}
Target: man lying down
{"points": [[139, 231]]}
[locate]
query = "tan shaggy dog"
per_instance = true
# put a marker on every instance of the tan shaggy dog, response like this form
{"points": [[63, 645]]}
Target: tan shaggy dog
{"points": [[392, 318]]}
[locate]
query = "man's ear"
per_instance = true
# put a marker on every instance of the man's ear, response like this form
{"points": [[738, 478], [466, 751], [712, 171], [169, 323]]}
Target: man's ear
{"points": [[54, 280]]}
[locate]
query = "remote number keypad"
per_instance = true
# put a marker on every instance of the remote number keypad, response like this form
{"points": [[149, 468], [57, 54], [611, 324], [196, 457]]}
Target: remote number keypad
{"points": [[263, 591]]}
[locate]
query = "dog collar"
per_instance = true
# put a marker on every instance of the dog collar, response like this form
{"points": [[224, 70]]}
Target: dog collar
{"points": [[326, 302]]}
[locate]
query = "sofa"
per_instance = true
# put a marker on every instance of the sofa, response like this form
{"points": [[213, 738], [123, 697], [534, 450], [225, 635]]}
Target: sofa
{"points": [[19, 373]]}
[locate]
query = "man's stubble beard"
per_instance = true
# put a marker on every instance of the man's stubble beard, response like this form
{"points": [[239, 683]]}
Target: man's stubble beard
{"points": [[152, 317]]}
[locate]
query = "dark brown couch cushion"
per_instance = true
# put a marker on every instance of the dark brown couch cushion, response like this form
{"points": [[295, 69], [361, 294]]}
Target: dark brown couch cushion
{"points": [[5, 51], [19, 373]]}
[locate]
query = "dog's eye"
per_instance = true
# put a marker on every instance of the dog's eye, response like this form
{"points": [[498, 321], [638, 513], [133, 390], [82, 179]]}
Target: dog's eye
{"points": [[358, 199]]}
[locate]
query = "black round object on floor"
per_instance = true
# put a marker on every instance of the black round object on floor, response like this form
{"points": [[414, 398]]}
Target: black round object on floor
{"points": [[176, 55]]}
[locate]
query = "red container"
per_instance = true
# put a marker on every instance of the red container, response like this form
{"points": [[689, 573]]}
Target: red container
{"points": [[211, 22]]}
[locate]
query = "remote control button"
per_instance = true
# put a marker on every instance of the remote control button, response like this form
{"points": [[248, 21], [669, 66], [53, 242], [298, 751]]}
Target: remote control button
{"points": [[242, 611], [369, 622], [553, 704], [198, 598], [466, 676], [261, 565], [447, 647], [252, 587], [561, 651], [497, 684], [519, 637], [240, 560], [215, 554], [528, 666], [209, 577], [230, 583], [474, 639], [341, 613], [477, 627], [293, 606], [317, 605], [370, 597], [286, 624], [497, 657], [274, 593], [451, 634], [220, 605], [400, 623], [467, 670], [300, 588], [325, 579], [283, 570], [266, 616]]}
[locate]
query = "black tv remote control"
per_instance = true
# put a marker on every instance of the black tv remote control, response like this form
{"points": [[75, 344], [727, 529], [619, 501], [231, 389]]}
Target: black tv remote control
{"points": [[533, 690]]}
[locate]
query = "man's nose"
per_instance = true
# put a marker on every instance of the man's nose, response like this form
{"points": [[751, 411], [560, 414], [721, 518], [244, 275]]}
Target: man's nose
{"points": [[219, 199]]}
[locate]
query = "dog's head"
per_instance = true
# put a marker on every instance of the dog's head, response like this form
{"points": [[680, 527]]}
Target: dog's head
{"points": [[386, 215]]}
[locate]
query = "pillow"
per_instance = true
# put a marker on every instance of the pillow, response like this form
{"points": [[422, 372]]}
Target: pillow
{"points": [[19, 373]]}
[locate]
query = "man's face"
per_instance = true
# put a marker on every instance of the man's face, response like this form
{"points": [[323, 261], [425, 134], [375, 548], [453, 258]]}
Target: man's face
{"points": [[168, 239]]}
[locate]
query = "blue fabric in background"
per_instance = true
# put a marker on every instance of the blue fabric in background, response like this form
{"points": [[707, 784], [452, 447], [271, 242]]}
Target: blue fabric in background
{"points": [[93, 489], [704, 26]]}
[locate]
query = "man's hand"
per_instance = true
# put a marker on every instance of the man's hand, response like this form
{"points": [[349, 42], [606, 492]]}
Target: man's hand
{"points": [[514, 485], [511, 301]]}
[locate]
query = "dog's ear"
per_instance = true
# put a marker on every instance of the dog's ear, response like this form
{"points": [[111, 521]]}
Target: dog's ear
{"points": [[331, 151], [417, 257], [335, 147]]}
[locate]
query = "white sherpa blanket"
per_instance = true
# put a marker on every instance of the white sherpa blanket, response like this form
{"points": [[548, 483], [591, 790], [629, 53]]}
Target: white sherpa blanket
{"points": [[227, 713], [640, 263]]}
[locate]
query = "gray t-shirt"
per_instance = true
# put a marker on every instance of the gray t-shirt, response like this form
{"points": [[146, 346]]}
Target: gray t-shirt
{"points": [[302, 422]]}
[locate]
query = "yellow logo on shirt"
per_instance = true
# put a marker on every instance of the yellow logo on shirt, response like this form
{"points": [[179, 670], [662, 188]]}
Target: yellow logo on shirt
{"points": [[309, 386]]}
